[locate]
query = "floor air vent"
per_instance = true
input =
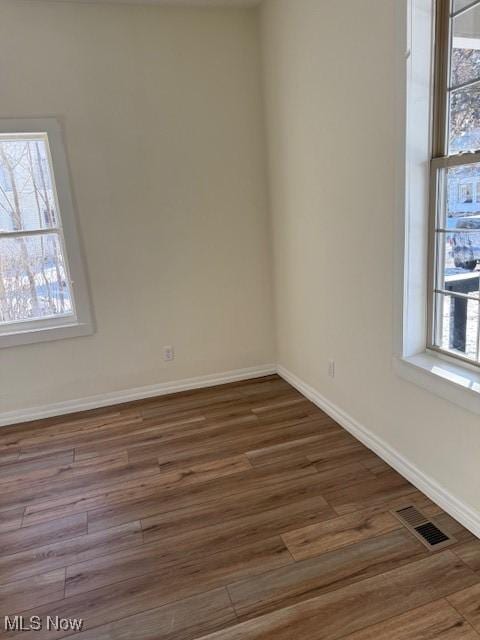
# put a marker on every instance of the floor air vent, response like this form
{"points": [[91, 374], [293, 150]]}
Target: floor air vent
{"points": [[424, 529]]}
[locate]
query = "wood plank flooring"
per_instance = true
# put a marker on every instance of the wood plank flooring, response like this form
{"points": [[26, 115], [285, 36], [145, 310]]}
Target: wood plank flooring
{"points": [[239, 512]]}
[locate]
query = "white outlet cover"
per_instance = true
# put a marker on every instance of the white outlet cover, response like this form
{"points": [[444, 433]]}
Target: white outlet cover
{"points": [[168, 353]]}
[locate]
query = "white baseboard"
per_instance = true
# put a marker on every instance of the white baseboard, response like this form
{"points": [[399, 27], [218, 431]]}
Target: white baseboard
{"points": [[140, 393], [457, 509]]}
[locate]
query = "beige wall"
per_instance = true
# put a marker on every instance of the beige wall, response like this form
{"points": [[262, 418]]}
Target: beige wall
{"points": [[163, 121], [162, 112], [330, 94]]}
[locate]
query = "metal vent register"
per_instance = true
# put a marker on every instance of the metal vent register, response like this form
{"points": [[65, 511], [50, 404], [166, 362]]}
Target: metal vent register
{"points": [[424, 529]]}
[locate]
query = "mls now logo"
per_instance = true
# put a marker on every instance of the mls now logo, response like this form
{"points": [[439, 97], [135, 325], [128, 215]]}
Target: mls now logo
{"points": [[35, 623], [19, 623]]}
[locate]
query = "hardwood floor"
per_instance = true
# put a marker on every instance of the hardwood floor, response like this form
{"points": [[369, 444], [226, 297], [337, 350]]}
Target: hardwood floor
{"points": [[235, 513]]}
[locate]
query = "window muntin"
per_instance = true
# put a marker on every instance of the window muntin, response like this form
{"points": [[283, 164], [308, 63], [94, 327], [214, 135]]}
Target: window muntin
{"points": [[34, 274], [454, 316]]}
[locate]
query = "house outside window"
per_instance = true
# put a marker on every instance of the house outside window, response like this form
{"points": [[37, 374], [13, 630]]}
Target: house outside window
{"points": [[466, 193]]}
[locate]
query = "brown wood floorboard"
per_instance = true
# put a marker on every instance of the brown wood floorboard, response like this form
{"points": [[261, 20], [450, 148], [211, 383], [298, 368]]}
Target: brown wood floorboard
{"points": [[237, 512], [182, 620], [469, 552], [467, 602], [351, 608], [434, 621]]}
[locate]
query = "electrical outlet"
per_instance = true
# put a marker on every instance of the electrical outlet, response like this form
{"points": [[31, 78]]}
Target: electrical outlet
{"points": [[168, 354], [331, 368]]}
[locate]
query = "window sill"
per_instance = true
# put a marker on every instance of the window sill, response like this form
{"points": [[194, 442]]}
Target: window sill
{"points": [[451, 381], [46, 334]]}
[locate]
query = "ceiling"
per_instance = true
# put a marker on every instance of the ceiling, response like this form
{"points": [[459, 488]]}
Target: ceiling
{"points": [[180, 3]]}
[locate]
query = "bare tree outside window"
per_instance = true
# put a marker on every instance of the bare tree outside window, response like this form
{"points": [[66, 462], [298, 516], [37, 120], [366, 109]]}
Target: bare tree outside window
{"points": [[34, 282]]}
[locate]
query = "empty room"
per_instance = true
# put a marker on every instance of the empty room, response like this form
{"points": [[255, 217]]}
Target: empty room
{"points": [[240, 319]]}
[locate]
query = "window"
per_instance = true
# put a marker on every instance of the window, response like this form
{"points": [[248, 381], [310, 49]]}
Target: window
{"points": [[43, 293], [454, 315], [423, 343]]}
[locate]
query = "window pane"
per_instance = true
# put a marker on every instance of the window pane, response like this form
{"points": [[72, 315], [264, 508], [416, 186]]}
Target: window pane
{"points": [[457, 325], [458, 252], [463, 206], [461, 4], [465, 65], [33, 279], [465, 119], [457, 268], [27, 200], [462, 252]]}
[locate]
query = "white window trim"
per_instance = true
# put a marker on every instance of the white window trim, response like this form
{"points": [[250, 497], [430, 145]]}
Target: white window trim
{"points": [[457, 382], [81, 324]]}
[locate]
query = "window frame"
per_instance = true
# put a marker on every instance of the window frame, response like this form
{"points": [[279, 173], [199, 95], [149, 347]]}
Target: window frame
{"points": [[442, 160], [447, 378], [80, 322]]}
